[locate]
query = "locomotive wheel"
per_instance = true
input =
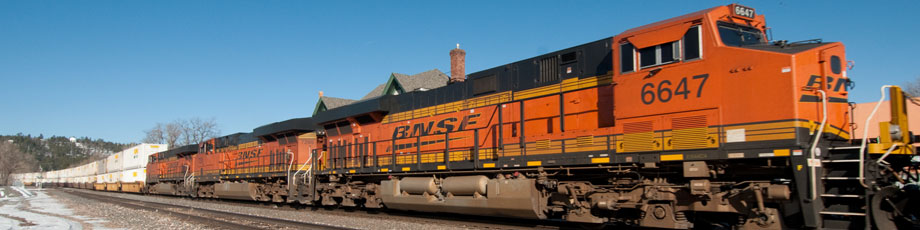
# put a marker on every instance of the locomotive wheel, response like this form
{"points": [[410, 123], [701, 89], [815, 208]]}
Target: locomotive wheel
{"points": [[892, 208]]}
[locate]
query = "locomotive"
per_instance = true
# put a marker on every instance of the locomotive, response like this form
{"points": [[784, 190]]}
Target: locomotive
{"points": [[697, 121]]}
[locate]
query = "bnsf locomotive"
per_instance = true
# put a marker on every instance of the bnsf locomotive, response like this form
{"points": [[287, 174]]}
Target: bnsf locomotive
{"points": [[695, 121]]}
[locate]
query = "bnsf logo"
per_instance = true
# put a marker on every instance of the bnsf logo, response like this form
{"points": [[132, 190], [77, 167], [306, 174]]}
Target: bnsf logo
{"points": [[841, 83], [250, 154], [443, 126]]}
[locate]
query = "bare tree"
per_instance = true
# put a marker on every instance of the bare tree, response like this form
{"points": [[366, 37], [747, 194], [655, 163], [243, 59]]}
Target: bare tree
{"points": [[183, 132], [173, 132], [198, 130], [155, 135], [12, 161], [913, 87]]}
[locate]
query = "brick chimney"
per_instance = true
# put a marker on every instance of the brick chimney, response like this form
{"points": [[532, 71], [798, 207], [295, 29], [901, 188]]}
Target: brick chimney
{"points": [[457, 65]]}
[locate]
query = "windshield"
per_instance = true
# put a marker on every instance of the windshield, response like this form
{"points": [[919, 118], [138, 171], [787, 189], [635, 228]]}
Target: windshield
{"points": [[738, 35]]}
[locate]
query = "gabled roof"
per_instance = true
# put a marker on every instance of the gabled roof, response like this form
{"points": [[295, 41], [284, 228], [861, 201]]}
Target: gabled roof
{"points": [[407, 83], [326, 103], [375, 93], [429, 79]]}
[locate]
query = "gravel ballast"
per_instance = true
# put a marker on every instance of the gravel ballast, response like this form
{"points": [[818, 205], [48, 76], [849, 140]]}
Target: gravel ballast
{"points": [[114, 216], [355, 220]]}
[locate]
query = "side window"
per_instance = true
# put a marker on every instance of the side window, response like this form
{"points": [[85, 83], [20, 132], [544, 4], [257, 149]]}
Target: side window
{"points": [[692, 45], [659, 54], [626, 58]]}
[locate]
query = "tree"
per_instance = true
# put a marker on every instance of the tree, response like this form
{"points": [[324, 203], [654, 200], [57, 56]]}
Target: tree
{"points": [[155, 135], [182, 132], [913, 87], [173, 132], [198, 130], [12, 161]]}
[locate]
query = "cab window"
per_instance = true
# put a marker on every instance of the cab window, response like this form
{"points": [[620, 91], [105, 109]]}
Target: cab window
{"points": [[739, 35], [659, 54], [693, 48], [689, 47], [626, 58]]}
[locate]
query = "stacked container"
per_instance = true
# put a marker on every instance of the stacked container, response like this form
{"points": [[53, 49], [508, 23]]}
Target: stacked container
{"points": [[123, 171], [134, 168]]}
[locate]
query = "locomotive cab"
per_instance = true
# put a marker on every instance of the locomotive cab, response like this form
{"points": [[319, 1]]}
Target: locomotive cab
{"points": [[711, 69]]}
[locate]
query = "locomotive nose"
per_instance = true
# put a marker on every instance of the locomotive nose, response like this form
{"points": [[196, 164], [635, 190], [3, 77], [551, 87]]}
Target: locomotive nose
{"points": [[824, 69]]}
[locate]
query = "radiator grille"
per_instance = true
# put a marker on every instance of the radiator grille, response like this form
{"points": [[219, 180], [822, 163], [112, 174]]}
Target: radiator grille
{"points": [[638, 136], [689, 132], [585, 141], [542, 144]]}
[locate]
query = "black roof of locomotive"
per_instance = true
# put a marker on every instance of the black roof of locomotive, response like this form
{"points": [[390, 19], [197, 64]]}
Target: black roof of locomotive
{"points": [[592, 59], [305, 124], [183, 150], [360, 107], [234, 139]]}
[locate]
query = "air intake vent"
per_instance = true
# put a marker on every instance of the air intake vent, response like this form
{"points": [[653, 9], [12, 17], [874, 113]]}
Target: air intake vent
{"points": [[549, 69], [688, 132], [638, 137]]}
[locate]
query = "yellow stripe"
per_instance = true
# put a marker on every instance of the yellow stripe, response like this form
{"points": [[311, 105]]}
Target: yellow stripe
{"points": [[384, 170], [493, 99], [600, 160], [781, 152], [442, 167], [672, 157], [768, 127], [782, 136], [534, 163], [404, 169], [488, 165]]}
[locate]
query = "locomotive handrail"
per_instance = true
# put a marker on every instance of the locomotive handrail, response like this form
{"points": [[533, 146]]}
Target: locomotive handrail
{"points": [[814, 145], [862, 147], [291, 165], [881, 160]]}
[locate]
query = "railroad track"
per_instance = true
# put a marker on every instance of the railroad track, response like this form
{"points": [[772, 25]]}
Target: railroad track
{"points": [[208, 217], [472, 222], [446, 219]]}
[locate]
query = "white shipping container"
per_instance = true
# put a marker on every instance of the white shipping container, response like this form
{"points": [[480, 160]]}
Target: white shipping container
{"points": [[81, 170], [66, 174], [100, 167], [137, 156], [114, 177], [134, 175], [114, 163]]}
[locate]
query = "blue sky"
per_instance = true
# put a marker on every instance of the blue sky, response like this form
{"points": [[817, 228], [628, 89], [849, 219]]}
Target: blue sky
{"points": [[112, 69]]}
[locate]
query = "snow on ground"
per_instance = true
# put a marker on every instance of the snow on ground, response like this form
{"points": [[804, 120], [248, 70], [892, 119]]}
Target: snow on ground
{"points": [[34, 209], [22, 191]]}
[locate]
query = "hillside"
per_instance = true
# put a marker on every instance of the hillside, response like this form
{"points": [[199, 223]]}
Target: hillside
{"points": [[57, 152]]}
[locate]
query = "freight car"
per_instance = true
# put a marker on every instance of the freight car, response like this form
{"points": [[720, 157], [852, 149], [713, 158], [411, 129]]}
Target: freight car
{"points": [[692, 122]]}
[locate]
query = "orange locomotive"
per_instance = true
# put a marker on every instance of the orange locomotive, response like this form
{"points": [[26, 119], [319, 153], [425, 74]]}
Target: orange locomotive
{"points": [[246, 166], [692, 120]]}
